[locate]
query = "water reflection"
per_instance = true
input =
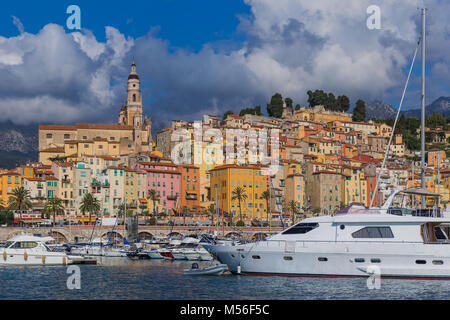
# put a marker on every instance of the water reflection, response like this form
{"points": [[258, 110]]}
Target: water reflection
{"points": [[121, 278]]}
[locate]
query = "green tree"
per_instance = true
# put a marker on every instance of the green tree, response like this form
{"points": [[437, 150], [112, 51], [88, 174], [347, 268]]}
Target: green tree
{"points": [[343, 103], [227, 113], [256, 111], [289, 103], [318, 97], [240, 223], [359, 113], [275, 107], [89, 204], [297, 107], [153, 195], [54, 206], [293, 209], [331, 102], [6, 217], [211, 212], [266, 196], [20, 200], [240, 195], [412, 124], [435, 120]]}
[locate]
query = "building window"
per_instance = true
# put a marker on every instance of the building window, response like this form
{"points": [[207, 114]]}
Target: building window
{"points": [[49, 136]]}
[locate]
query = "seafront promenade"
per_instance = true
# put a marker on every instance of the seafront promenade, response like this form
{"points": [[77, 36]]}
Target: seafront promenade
{"points": [[73, 234]]}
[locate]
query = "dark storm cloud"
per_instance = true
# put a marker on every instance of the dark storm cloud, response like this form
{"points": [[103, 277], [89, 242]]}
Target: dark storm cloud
{"points": [[291, 46]]}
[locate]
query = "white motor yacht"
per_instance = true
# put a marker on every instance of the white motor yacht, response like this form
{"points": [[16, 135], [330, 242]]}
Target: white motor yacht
{"points": [[31, 250], [349, 244]]}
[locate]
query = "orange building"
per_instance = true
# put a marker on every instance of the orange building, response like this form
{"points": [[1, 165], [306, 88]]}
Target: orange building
{"points": [[190, 187], [8, 182]]}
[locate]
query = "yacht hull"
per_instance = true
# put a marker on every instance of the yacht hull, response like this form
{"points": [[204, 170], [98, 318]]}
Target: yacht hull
{"points": [[31, 259], [338, 260]]}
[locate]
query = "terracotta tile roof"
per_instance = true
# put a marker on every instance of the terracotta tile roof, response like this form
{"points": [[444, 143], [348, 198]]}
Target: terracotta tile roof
{"points": [[57, 127], [104, 126], [55, 149]]}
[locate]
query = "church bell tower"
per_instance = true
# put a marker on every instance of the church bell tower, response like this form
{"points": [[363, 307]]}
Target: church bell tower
{"points": [[134, 99]]}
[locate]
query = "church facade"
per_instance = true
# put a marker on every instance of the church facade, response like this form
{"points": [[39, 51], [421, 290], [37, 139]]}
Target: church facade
{"points": [[132, 134]]}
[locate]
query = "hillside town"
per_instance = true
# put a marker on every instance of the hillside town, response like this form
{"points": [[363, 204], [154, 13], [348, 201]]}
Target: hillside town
{"points": [[321, 161]]}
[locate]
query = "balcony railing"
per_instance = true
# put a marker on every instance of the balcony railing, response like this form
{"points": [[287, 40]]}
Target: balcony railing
{"points": [[191, 197]]}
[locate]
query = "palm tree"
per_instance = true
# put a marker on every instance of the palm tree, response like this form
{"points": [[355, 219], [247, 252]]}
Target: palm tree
{"points": [[89, 204], [211, 212], [266, 195], [184, 211], [20, 200], [292, 207], [152, 195], [239, 194], [54, 206]]}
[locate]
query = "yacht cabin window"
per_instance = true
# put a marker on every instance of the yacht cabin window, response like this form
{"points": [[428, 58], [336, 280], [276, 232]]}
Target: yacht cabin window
{"points": [[440, 235], [301, 228], [24, 245], [373, 232]]}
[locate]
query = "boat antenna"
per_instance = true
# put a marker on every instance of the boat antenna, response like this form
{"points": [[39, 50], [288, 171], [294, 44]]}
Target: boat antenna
{"points": [[395, 124], [422, 126]]}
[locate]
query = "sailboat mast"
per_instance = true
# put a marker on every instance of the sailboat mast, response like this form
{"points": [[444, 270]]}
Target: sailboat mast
{"points": [[422, 128]]}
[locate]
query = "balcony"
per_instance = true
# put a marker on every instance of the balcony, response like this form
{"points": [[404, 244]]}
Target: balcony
{"points": [[172, 197], [96, 184], [191, 195], [40, 186]]}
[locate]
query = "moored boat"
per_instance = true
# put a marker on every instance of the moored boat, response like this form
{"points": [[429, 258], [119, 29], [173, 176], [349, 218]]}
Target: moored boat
{"points": [[31, 250], [216, 270]]}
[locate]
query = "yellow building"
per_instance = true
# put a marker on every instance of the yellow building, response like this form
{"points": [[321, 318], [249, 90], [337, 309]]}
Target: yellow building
{"points": [[319, 114], [354, 186], [129, 191], [295, 190], [225, 179], [9, 181]]}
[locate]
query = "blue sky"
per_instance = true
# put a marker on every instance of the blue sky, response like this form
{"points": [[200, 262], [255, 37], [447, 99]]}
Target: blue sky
{"points": [[196, 57], [188, 24]]}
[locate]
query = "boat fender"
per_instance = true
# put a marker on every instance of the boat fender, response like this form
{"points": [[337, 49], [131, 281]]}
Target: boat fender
{"points": [[64, 260], [25, 256], [43, 259], [239, 269], [4, 255]]}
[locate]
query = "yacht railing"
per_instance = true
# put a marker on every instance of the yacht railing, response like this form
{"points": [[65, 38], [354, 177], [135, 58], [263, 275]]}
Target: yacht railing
{"points": [[431, 213], [304, 242]]}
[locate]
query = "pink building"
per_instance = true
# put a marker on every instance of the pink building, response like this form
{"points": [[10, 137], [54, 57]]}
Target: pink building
{"points": [[165, 179]]}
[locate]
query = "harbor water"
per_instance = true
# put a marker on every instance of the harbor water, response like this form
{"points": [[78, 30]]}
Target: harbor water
{"points": [[121, 278]]}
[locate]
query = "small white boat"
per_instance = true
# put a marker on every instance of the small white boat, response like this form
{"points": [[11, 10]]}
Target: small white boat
{"points": [[216, 270], [31, 250], [154, 254], [115, 251]]}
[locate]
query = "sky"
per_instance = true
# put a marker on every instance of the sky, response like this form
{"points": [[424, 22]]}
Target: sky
{"points": [[198, 57]]}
